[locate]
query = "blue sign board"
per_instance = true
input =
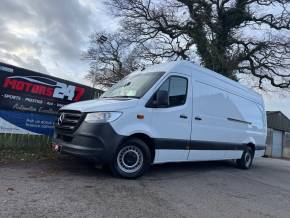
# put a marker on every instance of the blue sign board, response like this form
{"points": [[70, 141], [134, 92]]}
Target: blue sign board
{"points": [[29, 101]]}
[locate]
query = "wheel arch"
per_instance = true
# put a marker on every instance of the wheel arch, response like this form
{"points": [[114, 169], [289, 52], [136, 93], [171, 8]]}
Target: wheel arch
{"points": [[252, 146], [147, 140]]}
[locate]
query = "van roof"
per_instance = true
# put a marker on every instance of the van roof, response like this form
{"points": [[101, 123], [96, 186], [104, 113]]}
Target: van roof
{"points": [[183, 66]]}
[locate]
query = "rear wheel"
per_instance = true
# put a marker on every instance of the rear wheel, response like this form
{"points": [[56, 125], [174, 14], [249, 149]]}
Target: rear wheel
{"points": [[132, 159], [246, 160]]}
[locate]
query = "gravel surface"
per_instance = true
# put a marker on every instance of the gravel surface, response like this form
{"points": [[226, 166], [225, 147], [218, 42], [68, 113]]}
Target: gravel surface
{"points": [[73, 188]]}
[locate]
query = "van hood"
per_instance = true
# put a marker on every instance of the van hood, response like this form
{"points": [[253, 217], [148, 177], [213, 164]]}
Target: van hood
{"points": [[101, 105]]}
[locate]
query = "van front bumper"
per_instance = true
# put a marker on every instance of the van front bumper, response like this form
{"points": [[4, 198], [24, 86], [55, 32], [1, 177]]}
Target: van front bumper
{"points": [[97, 142]]}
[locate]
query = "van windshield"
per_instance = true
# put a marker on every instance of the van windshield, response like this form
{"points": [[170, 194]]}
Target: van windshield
{"points": [[133, 86]]}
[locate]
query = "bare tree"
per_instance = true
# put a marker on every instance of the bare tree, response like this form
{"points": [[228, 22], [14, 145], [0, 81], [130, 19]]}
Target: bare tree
{"points": [[233, 37], [111, 58]]}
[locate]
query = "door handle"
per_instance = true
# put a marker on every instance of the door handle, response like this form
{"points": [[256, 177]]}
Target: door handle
{"points": [[198, 118], [183, 116]]}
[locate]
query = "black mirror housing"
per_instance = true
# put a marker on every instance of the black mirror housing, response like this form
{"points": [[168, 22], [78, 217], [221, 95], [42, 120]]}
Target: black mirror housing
{"points": [[162, 98]]}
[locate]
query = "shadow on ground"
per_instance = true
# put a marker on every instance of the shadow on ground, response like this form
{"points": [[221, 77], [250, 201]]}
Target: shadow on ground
{"points": [[161, 171]]}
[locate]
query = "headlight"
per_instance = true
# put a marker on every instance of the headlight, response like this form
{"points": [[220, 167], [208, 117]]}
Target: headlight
{"points": [[102, 117]]}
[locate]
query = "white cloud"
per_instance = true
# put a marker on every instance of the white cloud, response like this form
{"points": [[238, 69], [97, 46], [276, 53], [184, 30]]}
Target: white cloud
{"points": [[49, 36]]}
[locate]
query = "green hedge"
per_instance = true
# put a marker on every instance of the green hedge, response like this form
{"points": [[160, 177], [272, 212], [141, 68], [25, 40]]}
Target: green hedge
{"points": [[24, 147]]}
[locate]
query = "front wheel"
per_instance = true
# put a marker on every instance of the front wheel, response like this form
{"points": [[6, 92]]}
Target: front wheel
{"points": [[131, 160], [246, 160]]}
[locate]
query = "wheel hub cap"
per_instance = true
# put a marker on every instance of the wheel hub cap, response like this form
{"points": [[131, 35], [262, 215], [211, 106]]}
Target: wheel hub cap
{"points": [[130, 159], [248, 159]]}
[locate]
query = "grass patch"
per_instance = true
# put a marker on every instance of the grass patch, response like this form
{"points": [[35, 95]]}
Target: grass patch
{"points": [[20, 147]]}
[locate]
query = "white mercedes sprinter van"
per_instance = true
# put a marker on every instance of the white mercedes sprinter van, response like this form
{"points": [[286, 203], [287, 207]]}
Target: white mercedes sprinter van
{"points": [[170, 112]]}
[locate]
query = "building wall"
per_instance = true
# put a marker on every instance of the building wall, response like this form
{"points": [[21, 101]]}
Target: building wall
{"points": [[269, 142], [285, 144]]}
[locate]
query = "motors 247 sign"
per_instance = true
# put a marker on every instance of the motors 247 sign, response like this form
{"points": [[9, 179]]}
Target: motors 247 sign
{"points": [[24, 93], [42, 86]]}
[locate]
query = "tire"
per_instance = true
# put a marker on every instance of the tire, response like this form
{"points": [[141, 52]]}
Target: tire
{"points": [[131, 160], [246, 160]]}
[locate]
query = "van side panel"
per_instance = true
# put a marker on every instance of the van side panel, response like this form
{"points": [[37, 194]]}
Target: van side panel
{"points": [[214, 107], [225, 116]]}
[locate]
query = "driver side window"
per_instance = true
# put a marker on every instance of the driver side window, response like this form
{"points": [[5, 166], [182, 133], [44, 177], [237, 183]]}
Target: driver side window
{"points": [[176, 86]]}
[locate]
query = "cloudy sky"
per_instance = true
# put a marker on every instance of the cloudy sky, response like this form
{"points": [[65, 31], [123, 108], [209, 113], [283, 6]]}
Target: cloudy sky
{"points": [[49, 37]]}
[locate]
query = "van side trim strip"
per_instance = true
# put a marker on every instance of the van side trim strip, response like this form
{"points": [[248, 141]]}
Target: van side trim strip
{"points": [[237, 120], [177, 144]]}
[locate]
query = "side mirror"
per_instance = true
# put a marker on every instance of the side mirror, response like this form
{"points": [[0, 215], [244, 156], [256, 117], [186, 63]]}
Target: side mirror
{"points": [[162, 98]]}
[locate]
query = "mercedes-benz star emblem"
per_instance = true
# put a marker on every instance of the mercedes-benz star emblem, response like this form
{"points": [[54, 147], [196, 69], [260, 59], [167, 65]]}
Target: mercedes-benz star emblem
{"points": [[60, 119]]}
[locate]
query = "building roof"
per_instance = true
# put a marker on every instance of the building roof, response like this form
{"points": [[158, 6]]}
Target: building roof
{"points": [[277, 120]]}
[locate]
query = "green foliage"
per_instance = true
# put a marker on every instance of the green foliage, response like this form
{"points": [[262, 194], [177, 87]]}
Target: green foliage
{"points": [[21, 147]]}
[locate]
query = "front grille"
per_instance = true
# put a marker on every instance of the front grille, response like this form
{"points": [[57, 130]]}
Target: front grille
{"points": [[68, 120]]}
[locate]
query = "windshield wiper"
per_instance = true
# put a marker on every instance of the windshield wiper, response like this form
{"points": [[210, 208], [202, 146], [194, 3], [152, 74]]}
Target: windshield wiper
{"points": [[123, 96]]}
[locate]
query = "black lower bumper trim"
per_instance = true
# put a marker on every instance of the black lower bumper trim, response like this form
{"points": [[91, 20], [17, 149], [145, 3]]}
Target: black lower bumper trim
{"points": [[80, 150], [93, 141]]}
